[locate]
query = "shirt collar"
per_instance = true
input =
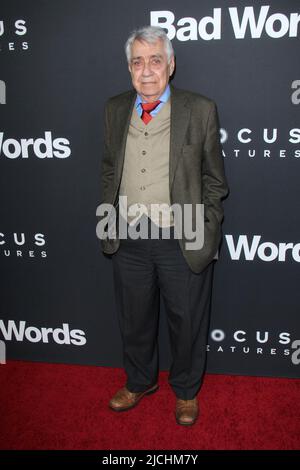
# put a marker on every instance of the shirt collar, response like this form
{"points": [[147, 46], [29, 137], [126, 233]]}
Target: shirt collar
{"points": [[163, 98]]}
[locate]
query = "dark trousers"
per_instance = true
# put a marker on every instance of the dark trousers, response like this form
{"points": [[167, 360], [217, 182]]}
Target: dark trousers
{"points": [[142, 269]]}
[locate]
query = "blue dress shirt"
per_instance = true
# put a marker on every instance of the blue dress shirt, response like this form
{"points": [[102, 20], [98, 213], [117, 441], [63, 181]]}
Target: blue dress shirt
{"points": [[163, 98]]}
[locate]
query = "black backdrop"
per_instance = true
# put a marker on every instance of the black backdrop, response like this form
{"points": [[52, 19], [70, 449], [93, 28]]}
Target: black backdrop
{"points": [[59, 62]]}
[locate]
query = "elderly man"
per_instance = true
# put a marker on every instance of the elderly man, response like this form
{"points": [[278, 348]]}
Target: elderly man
{"points": [[162, 148]]}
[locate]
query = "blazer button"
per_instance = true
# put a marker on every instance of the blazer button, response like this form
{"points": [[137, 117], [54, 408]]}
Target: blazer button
{"points": [[144, 152], [142, 188], [143, 170]]}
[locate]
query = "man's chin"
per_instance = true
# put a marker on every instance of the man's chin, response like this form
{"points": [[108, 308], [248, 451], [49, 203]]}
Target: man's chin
{"points": [[149, 94]]}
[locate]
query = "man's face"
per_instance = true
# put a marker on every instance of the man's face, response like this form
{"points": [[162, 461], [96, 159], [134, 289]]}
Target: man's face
{"points": [[149, 69]]}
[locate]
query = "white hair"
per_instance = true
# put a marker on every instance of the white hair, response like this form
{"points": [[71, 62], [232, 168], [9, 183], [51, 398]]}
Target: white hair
{"points": [[149, 34]]}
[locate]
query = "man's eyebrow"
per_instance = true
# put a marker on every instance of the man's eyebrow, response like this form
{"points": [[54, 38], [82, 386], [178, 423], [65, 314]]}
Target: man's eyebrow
{"points": [[151, 57], [156, 56]]}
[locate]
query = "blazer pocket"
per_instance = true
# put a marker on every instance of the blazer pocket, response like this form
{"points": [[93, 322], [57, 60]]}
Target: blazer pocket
{"points": [[190, 147]]}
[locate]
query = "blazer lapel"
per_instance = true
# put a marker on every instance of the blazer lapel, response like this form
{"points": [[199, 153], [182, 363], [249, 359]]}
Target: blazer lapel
{"points": [[124, 112], [180, 116]]}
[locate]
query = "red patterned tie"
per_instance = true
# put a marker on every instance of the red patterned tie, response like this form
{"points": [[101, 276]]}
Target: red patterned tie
{"points": [[147, 108]]}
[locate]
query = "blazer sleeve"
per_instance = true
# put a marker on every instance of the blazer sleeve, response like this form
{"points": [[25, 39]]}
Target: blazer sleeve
{"points": [[107, 164], [214, 182]]}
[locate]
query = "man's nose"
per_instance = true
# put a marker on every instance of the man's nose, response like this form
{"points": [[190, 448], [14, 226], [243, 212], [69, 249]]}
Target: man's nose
{"points": [[147, 69]]}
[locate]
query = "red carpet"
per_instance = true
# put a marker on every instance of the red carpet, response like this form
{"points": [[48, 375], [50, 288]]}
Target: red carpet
{"points": [[49, 406]]}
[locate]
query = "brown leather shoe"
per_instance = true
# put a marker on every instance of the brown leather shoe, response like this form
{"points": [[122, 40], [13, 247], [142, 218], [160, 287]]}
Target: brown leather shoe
{"points": [[124, 399], [186, 411]]}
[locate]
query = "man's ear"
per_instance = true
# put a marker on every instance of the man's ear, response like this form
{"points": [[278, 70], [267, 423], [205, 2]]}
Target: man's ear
{"points": [[172, 65]]}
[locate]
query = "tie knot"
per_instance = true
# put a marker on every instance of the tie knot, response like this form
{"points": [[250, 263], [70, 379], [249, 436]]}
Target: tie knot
{"points": [[148, 107]]}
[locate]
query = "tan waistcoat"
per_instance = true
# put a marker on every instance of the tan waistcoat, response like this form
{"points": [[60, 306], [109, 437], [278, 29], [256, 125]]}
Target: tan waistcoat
{"points": [[145, 177]]}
